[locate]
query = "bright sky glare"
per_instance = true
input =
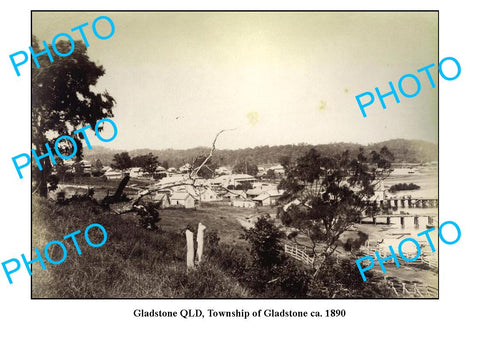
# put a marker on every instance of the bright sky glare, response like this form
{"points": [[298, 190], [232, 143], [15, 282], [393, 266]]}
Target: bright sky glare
{"points": [[277, 77]]}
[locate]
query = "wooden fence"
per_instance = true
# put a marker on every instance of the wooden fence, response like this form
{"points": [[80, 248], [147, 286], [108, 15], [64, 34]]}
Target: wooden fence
{"points": [[409, 290], [431, 261], [299, 253]]}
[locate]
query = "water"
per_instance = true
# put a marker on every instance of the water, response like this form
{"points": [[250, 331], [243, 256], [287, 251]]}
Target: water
{"points": [[425, 177], [393, 234]]}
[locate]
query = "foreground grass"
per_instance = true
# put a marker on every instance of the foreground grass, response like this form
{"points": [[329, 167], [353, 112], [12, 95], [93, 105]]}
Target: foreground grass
{"points": [[139, 263], [133, 263]]}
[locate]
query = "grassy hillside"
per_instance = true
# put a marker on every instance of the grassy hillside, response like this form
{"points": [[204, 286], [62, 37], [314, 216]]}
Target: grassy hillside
{"points": [[133, 263], [139, 263]]}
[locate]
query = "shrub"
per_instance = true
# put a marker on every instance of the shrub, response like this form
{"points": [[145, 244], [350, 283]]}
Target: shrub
{"points": [[264, 239], [340, 279], [403, 186]]}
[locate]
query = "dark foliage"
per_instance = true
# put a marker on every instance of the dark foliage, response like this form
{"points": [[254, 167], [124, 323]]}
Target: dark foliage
{"points": [[333, 193], [403, 186], [122, 161], [208, 170], [340, 279], [355, 244], [265, 241], [148, 163], [63, 101], [244, 186], [149, 215], [245, 167], [404, 151]]}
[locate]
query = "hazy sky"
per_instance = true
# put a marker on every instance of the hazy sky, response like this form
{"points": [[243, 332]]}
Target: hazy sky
{"points": [[278, 78]]}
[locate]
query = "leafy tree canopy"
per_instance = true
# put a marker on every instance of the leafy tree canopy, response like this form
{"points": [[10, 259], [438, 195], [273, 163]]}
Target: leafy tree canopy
{"points": [[245, 167], [148, 163], [333, 193], [122, 161], [64, 100], [208, 170]]}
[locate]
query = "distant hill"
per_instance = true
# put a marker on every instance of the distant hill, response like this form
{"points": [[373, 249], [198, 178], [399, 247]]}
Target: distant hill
{"points": [[408, 151]]}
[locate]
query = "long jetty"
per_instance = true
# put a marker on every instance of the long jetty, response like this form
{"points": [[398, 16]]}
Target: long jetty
{"points": [[408, 202], [401, 218]]}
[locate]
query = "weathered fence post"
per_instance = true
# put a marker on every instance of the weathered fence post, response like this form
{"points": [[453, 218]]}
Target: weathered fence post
{"points": [[189, 236], [201, 229]]}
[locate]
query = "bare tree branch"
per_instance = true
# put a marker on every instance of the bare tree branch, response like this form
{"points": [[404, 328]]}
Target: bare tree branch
{"points": [[188, 181], [197, 169]]}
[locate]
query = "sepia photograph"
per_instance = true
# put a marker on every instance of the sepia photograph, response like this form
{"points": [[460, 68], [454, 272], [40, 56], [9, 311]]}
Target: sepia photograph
{"points": [[234, 154]]}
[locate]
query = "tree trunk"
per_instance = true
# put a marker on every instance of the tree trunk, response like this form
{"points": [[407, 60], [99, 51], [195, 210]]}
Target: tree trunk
{"points": [[118, 193], [47, 169], [43, 185]]}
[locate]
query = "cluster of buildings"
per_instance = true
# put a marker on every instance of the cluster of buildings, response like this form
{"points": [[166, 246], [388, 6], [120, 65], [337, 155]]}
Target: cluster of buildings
{"points": [[175, 193], [87, 169], [239, 190]]}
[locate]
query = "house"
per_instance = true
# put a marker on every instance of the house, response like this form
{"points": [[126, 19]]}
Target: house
{"points": [[106, 169], [69, 163], [113, 175], [136, 172], [83, 166], [261, 171], [251, 193], [243, 203], [160, 171], [232, 180], [296, 202], [264, 186], [171, 180], [222, 171], [182, 199], [268, 198], [278, 170], [163, 198], [235, 194], [208, 195], [185, 168]]}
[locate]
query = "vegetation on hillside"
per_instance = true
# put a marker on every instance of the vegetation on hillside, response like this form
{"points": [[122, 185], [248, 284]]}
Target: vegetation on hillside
{"points": [[333, 193], [140, 263], [133, 263], [409, 151]]}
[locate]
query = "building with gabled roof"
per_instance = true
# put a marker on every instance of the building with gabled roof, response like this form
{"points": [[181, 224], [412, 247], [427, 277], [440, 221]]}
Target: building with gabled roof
{"points": [[232, 180], [182, 199], [268, 198]]}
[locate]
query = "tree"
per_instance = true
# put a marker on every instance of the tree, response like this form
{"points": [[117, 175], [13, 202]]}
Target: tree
{"points": [[63, 101], [245, 167], [208, 169], [61, 169], [165, 165], [244, 186], [334, 193], [122, 161], [148, 163], [97, 168], [270, 174], [340, 279], [383, 159], [272, 274], [79, 171], [264, 239]]}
